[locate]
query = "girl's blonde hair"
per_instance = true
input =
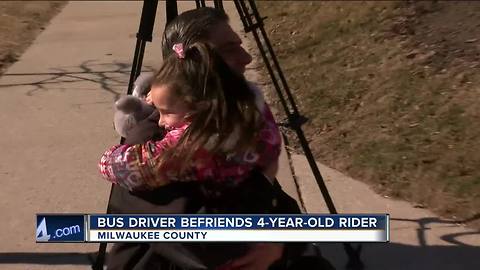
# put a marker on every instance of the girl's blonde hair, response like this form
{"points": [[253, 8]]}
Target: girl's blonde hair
{"points": [[220, 100]]}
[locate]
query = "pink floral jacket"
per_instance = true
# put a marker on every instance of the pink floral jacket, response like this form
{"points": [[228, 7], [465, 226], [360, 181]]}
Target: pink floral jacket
{"points": [[133, 166]]}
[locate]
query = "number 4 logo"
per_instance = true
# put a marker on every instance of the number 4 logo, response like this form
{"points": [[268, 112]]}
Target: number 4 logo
{"points": [[42, 235]]}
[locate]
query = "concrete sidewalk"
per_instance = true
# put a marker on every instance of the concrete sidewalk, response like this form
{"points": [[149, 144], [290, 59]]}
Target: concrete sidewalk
{"points": [[56, 104]]}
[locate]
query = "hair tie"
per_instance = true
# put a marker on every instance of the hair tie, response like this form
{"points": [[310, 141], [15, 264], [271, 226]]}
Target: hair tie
{"points": [[178, 49]]}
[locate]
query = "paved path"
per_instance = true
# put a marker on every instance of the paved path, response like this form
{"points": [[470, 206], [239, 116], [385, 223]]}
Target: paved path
{"points": [[56, 110]]}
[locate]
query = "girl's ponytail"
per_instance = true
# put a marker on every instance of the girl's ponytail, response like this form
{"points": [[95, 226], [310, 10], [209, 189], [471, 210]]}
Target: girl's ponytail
{"points": [[223, 107]]}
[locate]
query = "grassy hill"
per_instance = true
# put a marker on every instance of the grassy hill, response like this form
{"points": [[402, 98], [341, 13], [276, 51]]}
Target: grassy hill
{"points": [[391, 91], [20, 23]]}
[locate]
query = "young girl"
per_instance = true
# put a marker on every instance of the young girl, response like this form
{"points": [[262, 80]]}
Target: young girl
{"points": [[217, 127]]}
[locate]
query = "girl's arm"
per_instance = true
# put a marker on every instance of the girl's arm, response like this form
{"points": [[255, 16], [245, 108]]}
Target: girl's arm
{"points": [[133, 166]]}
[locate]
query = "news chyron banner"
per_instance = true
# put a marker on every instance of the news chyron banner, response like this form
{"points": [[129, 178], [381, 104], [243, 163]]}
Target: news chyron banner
{"points": [[212, 228]]}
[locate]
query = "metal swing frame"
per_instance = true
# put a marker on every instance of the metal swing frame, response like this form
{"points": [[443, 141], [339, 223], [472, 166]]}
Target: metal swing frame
{"points": [[252, 22]]}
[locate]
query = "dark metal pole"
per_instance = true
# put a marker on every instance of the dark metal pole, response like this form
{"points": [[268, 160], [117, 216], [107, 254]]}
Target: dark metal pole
{"points": [[171, 10], [200, 3], [144, 35], [294, 118], [218, 4]]}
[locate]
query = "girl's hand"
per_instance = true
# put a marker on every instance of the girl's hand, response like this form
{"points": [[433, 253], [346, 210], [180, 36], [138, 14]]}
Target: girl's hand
{"points": [[259, 257]]}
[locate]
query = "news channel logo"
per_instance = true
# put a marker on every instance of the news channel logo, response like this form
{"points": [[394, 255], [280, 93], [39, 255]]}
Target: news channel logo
{"points": [[60, 228]]}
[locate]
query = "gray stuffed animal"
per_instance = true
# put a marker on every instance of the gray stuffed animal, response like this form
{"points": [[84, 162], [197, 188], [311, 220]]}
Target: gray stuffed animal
{"points": [[131, 109]]}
